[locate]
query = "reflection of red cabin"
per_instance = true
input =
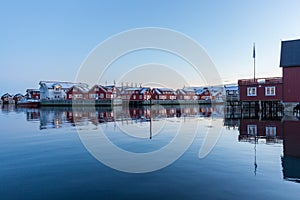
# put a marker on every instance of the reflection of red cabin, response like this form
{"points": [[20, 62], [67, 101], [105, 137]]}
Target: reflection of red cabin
{"points": [[264, 129], [266, 89], [32, 94], [77, 92], [163, 94], [136, 94], [291, 144], [99, 92]]}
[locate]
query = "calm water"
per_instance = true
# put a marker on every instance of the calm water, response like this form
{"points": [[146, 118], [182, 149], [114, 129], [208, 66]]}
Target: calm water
{"points": [[43, 156]]}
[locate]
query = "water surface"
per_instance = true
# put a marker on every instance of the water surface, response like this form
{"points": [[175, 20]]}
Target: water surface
{"points": [[43, 157]]}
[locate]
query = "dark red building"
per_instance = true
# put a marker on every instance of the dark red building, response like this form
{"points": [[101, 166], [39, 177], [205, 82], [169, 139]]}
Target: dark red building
{"points": [[33, 94], [99, 92], [290, 63], [77, 92], [264, 89], [163, 94], [18, 97], [136, 94]]}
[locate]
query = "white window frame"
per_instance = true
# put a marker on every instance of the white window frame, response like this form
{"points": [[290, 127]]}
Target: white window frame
{"points": [[271, 131], [269, 89], [252, 129], [251, 91]]}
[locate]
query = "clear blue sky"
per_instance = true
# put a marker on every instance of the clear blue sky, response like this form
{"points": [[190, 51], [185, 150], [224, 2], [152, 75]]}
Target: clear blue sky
{"points": [[48, 40]]}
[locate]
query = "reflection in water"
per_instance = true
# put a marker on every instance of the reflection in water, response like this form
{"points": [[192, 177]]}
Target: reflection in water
{"points": [[252, 130], [57, 117], [272, 131], [291, 151], [255, 131]]}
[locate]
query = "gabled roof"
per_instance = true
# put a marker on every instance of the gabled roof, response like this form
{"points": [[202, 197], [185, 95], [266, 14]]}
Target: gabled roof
{"points": [[143, 90], [290, 53], [180, 91], [162, 90], [99, 86], [7, 94], [82, 88], [18, 95]]}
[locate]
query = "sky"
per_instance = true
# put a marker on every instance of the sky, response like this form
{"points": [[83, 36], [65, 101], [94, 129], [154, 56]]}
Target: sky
{"points": [[50, 40]]}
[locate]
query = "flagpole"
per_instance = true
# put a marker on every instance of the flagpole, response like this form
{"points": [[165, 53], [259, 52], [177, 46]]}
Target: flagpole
{"points": [[254, 60]]}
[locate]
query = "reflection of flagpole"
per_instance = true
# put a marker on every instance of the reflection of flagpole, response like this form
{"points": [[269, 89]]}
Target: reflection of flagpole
{"points": [[255, 164], [150, 123]]}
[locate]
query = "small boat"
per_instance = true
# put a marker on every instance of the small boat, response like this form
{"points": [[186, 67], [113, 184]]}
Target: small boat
{"points": [[29, 103]]}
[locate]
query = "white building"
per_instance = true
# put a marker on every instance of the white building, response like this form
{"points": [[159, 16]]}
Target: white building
{"points": [[56, 90]]}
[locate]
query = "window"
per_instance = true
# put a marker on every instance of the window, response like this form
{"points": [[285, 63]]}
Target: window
{"points": [[74, 90], [252, 130], [270, 132], [101, 95], [270, 91], [251, 91]]}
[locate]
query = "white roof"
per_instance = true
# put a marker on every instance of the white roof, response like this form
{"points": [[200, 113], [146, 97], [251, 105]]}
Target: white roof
{"points": [[231, 87], [82, 88], [132, 88], [143, 90], [64, 85]]}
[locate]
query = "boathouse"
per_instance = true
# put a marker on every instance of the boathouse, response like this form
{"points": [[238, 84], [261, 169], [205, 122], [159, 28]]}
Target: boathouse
{"points": [[136, 94], [99, 92], [186, 94], [77, 92], [261, 95], [7, 98], [32, 94], [163, 94], [18, 97]]}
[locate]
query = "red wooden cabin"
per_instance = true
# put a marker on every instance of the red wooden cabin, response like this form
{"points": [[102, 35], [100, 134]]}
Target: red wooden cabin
{"points": [[77, 92], [163, 94], [136, 94], [264, 89], [99, 92], [33, 94]]}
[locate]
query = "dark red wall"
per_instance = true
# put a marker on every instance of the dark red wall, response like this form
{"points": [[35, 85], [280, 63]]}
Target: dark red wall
{"points": [[291, 88], [291, 134], [260, 91], [261, 127]]}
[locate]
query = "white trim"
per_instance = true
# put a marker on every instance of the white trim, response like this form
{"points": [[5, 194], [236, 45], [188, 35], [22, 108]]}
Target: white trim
{"points": [[251, 91], [271, 131], [270, 91]]}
